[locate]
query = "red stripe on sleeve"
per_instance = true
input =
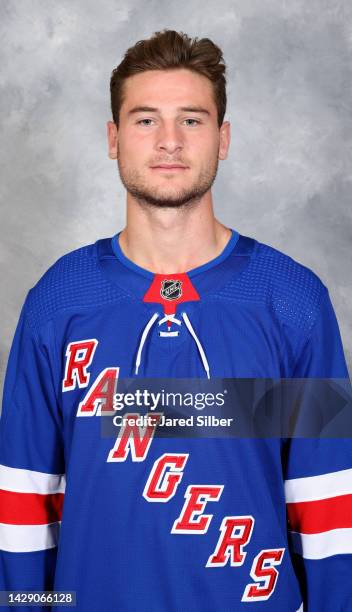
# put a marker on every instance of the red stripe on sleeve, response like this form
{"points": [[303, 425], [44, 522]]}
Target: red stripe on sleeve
{"points": [[30, 508], [320, 515]]}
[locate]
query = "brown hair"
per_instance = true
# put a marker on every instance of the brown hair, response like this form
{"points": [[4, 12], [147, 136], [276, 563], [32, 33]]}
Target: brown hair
{"points": [[167, 50]]}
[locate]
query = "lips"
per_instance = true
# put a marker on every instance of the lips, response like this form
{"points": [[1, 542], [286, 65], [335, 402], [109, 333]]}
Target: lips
{"points": [[169, 168]]}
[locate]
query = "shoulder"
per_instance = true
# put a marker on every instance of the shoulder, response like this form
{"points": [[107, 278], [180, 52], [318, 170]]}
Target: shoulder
{"points": [[73, 281], [294, 291], [290, 289]]}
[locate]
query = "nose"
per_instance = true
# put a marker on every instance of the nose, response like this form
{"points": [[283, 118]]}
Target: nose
{"points": [[169, 138]]}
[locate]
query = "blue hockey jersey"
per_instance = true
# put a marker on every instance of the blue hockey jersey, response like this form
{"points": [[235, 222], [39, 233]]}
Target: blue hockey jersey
{"points": [[150, 523]]}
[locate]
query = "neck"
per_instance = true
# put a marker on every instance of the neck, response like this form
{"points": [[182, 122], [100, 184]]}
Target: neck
{"points": [[167, 241]]}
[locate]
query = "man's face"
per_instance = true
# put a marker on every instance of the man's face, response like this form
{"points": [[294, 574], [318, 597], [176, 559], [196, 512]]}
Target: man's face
{"points": [[168, 117]]}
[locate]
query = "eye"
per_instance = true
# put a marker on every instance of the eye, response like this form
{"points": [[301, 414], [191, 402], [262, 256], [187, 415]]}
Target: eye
{"points": [[196, 121], [141, 121]]}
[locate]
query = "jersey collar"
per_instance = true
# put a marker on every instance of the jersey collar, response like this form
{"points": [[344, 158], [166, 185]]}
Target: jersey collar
{"points": [[207, 278]]}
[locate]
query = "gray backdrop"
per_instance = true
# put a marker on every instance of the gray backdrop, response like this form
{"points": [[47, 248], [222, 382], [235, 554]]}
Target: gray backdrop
{"points": [[286, 182]]}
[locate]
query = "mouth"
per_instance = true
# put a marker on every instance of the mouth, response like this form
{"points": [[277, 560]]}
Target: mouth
{"points": [[169, 168]]}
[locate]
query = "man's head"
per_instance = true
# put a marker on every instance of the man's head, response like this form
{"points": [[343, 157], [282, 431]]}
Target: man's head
{"points": [[168, 101]]}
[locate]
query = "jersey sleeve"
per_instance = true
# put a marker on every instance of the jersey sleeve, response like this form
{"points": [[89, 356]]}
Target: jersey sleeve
{"points": [[32, 467], [318, 483]]}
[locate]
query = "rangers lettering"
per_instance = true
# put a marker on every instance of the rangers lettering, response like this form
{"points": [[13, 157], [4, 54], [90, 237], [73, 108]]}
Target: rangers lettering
{"points": [[79, 356], [196, 498], [130, 439], [161, 486], [236, 532], [263, 571], [101, 393]]}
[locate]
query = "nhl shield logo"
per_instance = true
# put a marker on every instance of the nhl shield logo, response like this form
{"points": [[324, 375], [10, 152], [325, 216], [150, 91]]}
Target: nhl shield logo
{"points": [[171, 289]]}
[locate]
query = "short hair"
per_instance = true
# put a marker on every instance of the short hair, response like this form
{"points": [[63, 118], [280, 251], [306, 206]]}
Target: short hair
{"points": [[169, 50]]}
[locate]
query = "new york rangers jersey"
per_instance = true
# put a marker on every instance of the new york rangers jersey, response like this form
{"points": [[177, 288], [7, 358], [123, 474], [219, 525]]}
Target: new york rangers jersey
{"points": [[177, 523]]}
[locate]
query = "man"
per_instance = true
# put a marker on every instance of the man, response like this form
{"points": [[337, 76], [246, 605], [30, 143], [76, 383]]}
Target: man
{"points": [[145, 522]]}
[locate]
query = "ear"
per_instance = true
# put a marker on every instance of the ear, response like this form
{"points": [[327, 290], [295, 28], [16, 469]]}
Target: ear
{"points": [[112, 134], [225, 138]]}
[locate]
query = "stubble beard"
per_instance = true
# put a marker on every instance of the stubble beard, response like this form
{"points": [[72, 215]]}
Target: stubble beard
{"points": [[136, 185]]}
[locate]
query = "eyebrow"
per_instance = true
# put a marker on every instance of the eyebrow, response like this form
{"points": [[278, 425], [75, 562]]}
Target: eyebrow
{"points": [[152, 109]]}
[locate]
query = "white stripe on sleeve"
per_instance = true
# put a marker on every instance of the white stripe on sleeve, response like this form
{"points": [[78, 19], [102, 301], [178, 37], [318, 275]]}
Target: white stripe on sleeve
{"points": [[318, 487], [322, 545], [28, 538], [29, 481]]}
